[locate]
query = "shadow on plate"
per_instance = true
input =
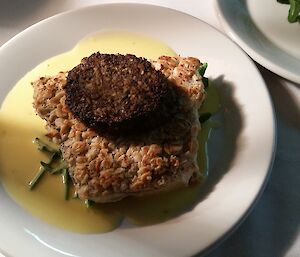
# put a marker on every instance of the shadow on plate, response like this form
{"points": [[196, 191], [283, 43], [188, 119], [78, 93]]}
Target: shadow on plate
{"points": [[222, 148], [285, 95], [225, 140], [273, 226]]}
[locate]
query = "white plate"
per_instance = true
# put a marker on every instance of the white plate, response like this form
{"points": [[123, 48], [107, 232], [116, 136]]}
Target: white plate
{"points": [[262, 30], [246, 136]]}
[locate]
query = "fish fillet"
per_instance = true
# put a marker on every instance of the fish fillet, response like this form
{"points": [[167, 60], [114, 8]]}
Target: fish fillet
{"points": [[108, 168]]}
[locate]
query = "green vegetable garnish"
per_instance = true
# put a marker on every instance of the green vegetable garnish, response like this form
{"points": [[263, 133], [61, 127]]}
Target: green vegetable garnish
{"points": [[57, 169], [36, 178], [65, 180], [88, 203], [42, 146], [55, 165], [201, 71], [294, 11], [205, 82]]}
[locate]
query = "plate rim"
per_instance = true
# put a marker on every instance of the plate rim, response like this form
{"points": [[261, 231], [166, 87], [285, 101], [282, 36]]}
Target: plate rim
{"points": [[263, 60], [247, 211]]}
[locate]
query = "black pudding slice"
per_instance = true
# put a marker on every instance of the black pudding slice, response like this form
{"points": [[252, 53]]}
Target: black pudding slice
{"points": [[117, 93]]}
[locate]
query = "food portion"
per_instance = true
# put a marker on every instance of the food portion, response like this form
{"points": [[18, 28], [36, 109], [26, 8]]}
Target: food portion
{"points": [[44, 172], [116, 140], [294, 11]]}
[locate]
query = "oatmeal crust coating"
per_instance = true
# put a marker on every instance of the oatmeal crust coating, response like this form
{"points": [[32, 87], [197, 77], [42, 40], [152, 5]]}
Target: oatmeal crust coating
{"points": [[109, 168]]}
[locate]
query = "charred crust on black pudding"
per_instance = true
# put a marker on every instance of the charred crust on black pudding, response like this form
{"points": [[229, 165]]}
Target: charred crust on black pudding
{"points": [[117, 93]]}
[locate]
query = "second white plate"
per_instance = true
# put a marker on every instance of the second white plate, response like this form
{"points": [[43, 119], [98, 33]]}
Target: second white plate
{"points": [[262, 30]]}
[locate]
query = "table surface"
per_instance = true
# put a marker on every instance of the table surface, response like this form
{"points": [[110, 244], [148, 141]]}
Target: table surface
{"points": [[272, 228]]}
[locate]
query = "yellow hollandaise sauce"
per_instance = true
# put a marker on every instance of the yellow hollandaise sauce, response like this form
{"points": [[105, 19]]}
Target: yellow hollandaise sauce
{"points": [[20, 159]]}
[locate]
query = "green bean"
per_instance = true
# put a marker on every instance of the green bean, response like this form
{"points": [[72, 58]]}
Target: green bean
{"points": [[55, 165], [36, 178], [54, 170], [42, 146], [65, 179], [88, 203], [201, 70], [205, 82]]}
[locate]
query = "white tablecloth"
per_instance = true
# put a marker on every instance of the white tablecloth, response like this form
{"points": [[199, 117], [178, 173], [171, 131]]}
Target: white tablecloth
{"points": [[272, 228]]}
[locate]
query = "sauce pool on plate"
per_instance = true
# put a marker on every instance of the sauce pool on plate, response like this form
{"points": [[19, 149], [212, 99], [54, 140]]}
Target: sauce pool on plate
{"points": [[20, 159]]}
